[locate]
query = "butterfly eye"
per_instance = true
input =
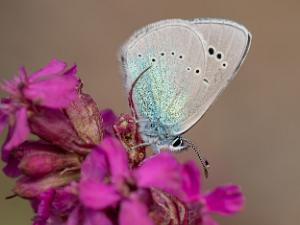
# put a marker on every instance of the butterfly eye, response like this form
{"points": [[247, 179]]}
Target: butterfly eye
{"points": [[177, 142], [153, 60]]}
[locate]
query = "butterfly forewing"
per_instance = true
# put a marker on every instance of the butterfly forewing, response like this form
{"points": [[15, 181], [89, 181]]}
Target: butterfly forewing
{"points": [[161, 93]]}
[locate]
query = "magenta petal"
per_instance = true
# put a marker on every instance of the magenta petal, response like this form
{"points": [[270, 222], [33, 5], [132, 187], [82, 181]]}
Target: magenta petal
{"points": [[9, 86], [224, 200], [74, 217], [161, 171], [207, 220], [18, 133], [11, 168], [53, 67], [93, 217], [94, 166], [3, 121], [64, 201], [44, 207], [117, 157], [13, 86], [191, 181], [97, 195], [72, 72], [109, 119], [23, 75], [49, 92], [133, 211]]}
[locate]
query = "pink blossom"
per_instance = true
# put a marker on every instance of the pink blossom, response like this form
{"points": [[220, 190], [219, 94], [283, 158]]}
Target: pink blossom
{"points": [[44, 87], [110, 192], [72, 176], [127, 188], [109, 119]]}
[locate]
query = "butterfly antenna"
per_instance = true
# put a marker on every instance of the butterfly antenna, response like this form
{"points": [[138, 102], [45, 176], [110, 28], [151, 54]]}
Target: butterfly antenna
{"points": [[130, 93], [204, 162]]}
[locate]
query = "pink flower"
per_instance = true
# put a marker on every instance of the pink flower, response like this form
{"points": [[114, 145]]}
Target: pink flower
{"points": [[159, 190], [53, 205], [72, 176], [106, 181], [44, 87], [51, 105], [223, 200]]}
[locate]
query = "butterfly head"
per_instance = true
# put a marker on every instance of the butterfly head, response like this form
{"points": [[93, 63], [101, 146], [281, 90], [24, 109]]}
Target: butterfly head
{"points": [[178, 144]]}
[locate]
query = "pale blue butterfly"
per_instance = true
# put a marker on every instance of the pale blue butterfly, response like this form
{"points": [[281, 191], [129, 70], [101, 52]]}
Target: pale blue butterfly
{"points": [[174, 71]]}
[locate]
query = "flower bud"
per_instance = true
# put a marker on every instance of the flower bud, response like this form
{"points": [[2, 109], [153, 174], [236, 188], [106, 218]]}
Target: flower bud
{"points": [[86, 119], [55, 127], [27, 187], [38, 163]]}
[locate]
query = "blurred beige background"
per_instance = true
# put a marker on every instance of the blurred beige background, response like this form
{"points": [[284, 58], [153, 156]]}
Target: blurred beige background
{"points": [[250, 136]]}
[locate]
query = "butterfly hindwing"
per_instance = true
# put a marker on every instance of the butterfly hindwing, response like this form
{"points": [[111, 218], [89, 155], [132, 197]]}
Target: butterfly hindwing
{"points": [[227, 44]]}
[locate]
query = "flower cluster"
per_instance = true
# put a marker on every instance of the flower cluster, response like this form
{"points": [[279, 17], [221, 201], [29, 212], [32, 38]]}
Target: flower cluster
{"points": [[79, 167]]}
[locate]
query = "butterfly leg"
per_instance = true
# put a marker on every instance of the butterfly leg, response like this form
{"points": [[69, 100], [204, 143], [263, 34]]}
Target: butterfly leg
{"points": [[142, 120], [140, 145]]}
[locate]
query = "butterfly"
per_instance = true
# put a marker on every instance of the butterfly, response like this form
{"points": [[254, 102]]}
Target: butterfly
{"points": [[174, 70]]}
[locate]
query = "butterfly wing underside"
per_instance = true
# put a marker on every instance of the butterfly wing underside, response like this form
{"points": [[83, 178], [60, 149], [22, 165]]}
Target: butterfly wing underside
{"points": [[183, 79], [230, 42]]}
